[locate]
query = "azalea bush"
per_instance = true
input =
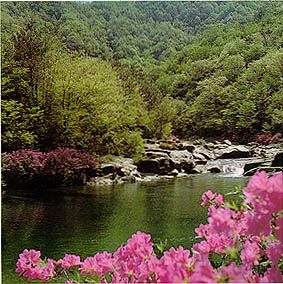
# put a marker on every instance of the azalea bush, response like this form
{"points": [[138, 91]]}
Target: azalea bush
{"points": [[266, 139], [60, 166], [242, 242]]}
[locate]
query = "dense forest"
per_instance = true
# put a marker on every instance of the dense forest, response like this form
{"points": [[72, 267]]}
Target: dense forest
{"points": [[102, 76]]}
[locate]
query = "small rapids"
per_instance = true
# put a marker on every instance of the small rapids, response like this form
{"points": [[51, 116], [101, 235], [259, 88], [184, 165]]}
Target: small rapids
{"points": [[233, 167]]}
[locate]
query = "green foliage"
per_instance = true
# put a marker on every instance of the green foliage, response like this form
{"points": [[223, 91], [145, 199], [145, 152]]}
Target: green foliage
{"points": [[101, 77], [229, 80], [161, 116], [90, 107], [17, 125], [129, 30]]}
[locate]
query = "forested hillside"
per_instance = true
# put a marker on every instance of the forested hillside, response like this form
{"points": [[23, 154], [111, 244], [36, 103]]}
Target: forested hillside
{"points": [[137, 31], [102, 76]]}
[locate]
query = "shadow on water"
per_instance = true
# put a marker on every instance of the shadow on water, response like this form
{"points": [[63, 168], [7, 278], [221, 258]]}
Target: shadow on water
{"points": [[86, 220]]}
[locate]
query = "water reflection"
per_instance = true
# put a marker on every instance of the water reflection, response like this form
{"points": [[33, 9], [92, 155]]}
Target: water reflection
{"points": [[86, 220]]}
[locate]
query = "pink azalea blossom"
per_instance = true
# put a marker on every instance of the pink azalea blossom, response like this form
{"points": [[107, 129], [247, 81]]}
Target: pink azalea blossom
{"points": [[275, 252], [100, 264], [48, 271], [203, 272], [259, 224], [272, 275], [70, 260], [26, 261], [276, 192], [219, 242], [219, 200], [258, 186], [211, 210], [202, 231], [176, 266], [136, 262], [278, 231], [32, 273], [31, 256], [203, 247], [207, 196], [249, 254], [234, 274], [221, 221]]}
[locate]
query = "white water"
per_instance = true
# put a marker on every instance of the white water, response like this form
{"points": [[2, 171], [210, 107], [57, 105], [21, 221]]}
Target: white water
{"points": [[233, 167]]}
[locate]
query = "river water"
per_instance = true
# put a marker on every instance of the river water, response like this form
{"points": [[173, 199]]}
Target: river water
{"points": [[85, 220]]}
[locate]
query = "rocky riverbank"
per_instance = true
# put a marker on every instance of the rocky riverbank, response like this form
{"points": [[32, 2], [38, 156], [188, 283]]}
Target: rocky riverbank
{"points": [[174, 158]]}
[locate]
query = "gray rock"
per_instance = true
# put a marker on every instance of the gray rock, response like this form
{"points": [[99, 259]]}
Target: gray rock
{"points": [[232, 152], [198, 169], [209, 155], [199, 159], [108, 168], [175, 172], [182, 160], [213, 168], [152, 147], [128, 179], [181, 156], [155, 154], [251, 168], [228, 142]]}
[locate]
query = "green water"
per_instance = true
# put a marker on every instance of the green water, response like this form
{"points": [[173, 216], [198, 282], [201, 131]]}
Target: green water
{"points": [[84, 220]]}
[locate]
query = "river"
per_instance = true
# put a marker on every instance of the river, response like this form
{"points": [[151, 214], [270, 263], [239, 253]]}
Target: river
{"points": [[85, 220]]}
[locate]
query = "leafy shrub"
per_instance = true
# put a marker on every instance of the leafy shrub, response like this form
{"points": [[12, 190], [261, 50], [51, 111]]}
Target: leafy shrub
{"points": [[60, 166], [266, 139], [241, 243], [69, 165], [22, 166]]}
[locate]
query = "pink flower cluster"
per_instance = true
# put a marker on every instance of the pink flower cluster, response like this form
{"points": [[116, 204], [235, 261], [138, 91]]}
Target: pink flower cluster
{"points": [[23, 162], [266, 197], [32, 267], [64, 163], [266, 139], [246, 254]]}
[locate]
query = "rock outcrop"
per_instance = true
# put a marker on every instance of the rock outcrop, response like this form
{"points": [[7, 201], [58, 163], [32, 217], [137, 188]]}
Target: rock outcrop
{"points": [[170, 159], [232, 152]]}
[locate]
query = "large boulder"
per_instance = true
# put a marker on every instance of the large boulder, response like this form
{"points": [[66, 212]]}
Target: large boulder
{"points": [[156, 161], [278, 160], [148, 166], [182, 160], [251, 167], [199, 159], [232, 152], [209, 155], [108, 168], [165, 166], [213, 167], [160, 166]]}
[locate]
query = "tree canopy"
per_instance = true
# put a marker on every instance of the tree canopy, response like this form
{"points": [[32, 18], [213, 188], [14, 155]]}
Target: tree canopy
{"points": [[101, 76]]}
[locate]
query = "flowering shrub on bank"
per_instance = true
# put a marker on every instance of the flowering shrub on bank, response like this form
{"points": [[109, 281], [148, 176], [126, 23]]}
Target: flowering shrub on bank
{"points": [[240, 243], [60, 166]]}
